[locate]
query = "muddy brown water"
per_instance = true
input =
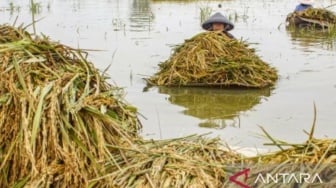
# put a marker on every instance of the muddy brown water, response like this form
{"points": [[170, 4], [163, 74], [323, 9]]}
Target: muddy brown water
{"points": [[134, 36]]}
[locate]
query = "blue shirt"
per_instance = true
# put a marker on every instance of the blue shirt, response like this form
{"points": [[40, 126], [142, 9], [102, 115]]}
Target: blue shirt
{"points": [[302, 7]]}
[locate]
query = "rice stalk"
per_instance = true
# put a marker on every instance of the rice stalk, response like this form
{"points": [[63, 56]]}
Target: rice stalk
{"points": [[313, 18], [184, 162], [52, 124], [315, 156], [63, 125], [213, 59]]}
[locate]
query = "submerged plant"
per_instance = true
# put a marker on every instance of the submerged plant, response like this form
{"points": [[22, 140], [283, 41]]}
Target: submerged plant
{"points": [[35, 7], [205, 13]]}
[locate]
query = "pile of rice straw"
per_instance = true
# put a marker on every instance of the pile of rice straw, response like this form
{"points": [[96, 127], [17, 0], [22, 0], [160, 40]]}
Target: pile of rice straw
{"points": [[315, 158], [319, 14], [57, 113], [192, 161], [313, 17], [63, 125], [213, 59]]}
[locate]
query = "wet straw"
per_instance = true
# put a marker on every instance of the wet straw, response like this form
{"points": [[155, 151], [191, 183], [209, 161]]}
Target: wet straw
{"points": [[213, 59]]}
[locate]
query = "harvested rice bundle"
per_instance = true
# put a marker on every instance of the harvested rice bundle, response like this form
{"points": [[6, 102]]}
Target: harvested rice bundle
{"points": [[310, 152], [315, 156], [313, 17], [57, 114], [10, 34], [213, 59], [184, 162], [319, 14]]}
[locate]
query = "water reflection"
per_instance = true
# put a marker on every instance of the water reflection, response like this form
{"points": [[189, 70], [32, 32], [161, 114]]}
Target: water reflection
{"points": [[141, 16], [307, 38], [217, 108]]}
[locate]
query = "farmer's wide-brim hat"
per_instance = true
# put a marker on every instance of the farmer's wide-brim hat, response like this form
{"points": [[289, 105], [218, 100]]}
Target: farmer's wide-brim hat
{"points": [[306, 2], [217, 18]]}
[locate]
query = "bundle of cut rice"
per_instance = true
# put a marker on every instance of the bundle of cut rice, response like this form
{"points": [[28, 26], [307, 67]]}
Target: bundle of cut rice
{"points": [[313, 18], [57, 114], [213, 59]]}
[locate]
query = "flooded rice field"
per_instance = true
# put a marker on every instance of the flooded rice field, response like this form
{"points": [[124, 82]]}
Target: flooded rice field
{"points": [[131, 37]]}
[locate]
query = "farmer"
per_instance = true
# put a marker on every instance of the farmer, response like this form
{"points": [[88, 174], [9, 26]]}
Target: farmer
{"points": [[218, 22], [304, 4]]}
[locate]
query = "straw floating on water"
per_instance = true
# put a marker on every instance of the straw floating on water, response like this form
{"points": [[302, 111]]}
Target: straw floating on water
{"points": [[213, 59]]}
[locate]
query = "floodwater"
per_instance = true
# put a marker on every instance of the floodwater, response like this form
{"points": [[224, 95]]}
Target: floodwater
{"points": [[134, 36]]}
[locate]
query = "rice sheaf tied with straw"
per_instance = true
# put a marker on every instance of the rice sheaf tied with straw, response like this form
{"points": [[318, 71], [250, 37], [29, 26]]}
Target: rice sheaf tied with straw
{"points": [[213, 59]]}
